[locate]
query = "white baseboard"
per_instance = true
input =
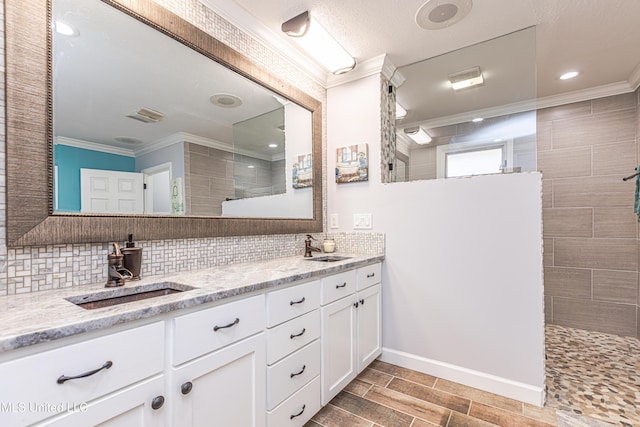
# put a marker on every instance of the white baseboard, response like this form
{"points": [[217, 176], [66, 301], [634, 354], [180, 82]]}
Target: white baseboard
{"points": [[487, 382]]}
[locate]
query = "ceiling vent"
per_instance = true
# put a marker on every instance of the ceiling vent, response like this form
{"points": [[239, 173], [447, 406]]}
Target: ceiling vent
{"points": [[128, 140], [437, 14], [146, 115]]}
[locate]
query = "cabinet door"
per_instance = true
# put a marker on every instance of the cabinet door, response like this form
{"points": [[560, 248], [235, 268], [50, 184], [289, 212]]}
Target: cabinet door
{"points": [[338, 346], [224, 388], [139, 406], [369, 325]]}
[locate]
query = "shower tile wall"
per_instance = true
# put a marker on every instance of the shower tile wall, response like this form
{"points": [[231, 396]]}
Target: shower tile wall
{"points": [[590, 231]]}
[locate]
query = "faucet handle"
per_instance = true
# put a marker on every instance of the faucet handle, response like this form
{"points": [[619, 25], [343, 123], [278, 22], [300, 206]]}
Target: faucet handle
{"points": [[310, 237]]}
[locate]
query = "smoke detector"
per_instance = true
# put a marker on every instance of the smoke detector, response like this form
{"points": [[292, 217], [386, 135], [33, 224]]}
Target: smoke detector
{"points": [[146, 115], [437, 14]]}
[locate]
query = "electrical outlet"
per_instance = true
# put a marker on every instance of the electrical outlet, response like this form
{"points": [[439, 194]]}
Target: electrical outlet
{"points": [[362, 221], [334, 221]]}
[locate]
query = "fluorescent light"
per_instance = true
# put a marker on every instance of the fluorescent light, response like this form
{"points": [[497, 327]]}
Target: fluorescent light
{"points": [[401, 112], [419, 135], [569, 75], [310, 35], [466, 78]]}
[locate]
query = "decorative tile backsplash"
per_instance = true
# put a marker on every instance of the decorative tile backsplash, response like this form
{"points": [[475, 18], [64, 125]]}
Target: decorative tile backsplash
{"points": [[30, 269]]}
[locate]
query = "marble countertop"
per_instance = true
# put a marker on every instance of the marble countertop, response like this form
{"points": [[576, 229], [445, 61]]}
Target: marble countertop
{"points": [[43, 316]]}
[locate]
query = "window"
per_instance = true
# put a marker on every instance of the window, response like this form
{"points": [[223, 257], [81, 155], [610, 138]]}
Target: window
{"points": [[473, 158]]}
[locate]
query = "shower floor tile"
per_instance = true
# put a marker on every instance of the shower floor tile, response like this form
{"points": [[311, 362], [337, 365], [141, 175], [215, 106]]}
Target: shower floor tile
{"points": [[593, 374]]}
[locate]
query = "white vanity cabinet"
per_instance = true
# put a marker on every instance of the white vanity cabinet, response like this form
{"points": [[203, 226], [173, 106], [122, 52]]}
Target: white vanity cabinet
{"points": [[293, 355], [112, 380], [351, 327], [218, 377]]}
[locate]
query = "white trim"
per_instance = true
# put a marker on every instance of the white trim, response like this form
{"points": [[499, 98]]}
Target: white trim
{"points": [[461, 147], [469, 377], [94, 146], [585, 94], [248, 24], [634, 78], [380, 64]]}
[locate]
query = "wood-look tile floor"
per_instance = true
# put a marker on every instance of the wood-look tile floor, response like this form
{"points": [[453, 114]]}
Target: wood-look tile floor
{"points": [[385, 395]]}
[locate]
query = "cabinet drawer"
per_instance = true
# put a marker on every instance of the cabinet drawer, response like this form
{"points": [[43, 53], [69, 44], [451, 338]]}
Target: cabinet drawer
{"points": [[292, 302], [292, 335], [135, 354], [298, 409], [369, 275], [210, 329], [338, 286], [287, 376]]}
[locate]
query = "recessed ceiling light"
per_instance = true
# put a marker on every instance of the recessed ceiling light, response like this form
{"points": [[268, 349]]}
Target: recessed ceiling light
{"points": [[225, 100], [477, 120], [251, 166], [569, 75], [273, 145], [65, 29], [438, 14]]}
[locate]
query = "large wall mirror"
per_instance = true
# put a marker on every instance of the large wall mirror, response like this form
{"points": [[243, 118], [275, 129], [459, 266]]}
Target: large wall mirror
{"points": [[123, 118]]}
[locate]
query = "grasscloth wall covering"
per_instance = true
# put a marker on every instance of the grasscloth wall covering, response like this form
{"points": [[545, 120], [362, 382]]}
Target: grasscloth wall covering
{"points": [[29, 269], [590, 231]]}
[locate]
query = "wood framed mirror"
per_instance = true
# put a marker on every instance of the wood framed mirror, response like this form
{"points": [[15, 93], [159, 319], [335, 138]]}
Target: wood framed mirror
{"points": [[31, 218]]}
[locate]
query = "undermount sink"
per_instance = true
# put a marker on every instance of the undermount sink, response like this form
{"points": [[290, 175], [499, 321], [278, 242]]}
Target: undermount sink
{"points": [[124, 294], [328, 258]]}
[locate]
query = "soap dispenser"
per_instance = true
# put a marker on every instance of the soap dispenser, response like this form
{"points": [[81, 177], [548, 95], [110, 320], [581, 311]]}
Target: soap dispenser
{"points": [[132, 258]]}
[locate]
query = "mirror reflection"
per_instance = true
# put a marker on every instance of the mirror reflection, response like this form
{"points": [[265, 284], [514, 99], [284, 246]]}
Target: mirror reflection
{"points": [[142, 124], [487, 126]]}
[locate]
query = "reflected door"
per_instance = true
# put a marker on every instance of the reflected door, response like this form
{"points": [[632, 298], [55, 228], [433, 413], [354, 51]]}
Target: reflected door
{"points": [[104, 191]]}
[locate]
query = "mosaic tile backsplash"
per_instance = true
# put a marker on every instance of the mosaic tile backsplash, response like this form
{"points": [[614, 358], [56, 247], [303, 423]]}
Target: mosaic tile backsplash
{"points": [[30, 269]]}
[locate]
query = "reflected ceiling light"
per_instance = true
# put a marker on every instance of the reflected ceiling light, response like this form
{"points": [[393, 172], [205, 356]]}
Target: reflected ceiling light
{"points": [[310, 35], [251, 166], [273, 145], [401, 112], [477, 120], [466, 78], [419, 135], [65, 29], [569, 75]]}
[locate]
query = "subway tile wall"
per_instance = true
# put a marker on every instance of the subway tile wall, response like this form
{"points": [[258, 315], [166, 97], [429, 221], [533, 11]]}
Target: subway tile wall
{"points": [[590, 231], [30, 269]]}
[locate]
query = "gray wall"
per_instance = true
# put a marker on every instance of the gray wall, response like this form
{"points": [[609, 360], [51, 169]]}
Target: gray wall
{"points": [[590, 230]]}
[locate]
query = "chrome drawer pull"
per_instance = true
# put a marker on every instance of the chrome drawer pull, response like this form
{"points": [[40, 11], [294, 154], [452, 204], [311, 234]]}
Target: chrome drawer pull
{"points": [[298, 334], [64, 378], [297, 302], [369, 276], [235, 322], [299, 413], [299, 373], [341, 286]]}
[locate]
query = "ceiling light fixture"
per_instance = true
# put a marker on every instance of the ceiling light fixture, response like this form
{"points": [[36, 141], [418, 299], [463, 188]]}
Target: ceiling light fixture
{"points": [[466, 78], [225, 100], [439, 14], [273, 145], [569, 75], [401, 112], [310, 35], [419, 135], [65, 29], [477, 120]]}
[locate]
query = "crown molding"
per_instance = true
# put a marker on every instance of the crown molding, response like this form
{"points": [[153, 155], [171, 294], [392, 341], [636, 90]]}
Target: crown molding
{"points": [[585, 94], [94, 146], [634, 78], [248, 24], [380, 64]]}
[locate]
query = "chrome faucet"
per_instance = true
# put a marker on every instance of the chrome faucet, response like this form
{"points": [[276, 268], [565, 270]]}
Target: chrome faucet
{"points": [[308, 248]]}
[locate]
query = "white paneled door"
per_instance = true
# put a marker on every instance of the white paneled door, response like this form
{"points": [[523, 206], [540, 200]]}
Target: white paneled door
{"points": [[105, 191]]}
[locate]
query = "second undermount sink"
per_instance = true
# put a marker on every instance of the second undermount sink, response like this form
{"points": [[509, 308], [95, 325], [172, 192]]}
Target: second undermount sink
{"points": [[328, 258], [125, 294]]}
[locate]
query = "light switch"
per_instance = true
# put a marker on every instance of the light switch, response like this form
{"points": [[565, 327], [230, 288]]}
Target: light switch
{"points": [[362, 221], [333, 221]]}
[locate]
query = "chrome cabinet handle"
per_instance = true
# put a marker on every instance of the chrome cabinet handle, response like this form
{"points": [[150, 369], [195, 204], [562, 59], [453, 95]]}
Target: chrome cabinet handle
{"points": [[299, 334], [299, 413], [297, 302], [235, 322], [299, 373], [341, 286], [63, 378]]}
